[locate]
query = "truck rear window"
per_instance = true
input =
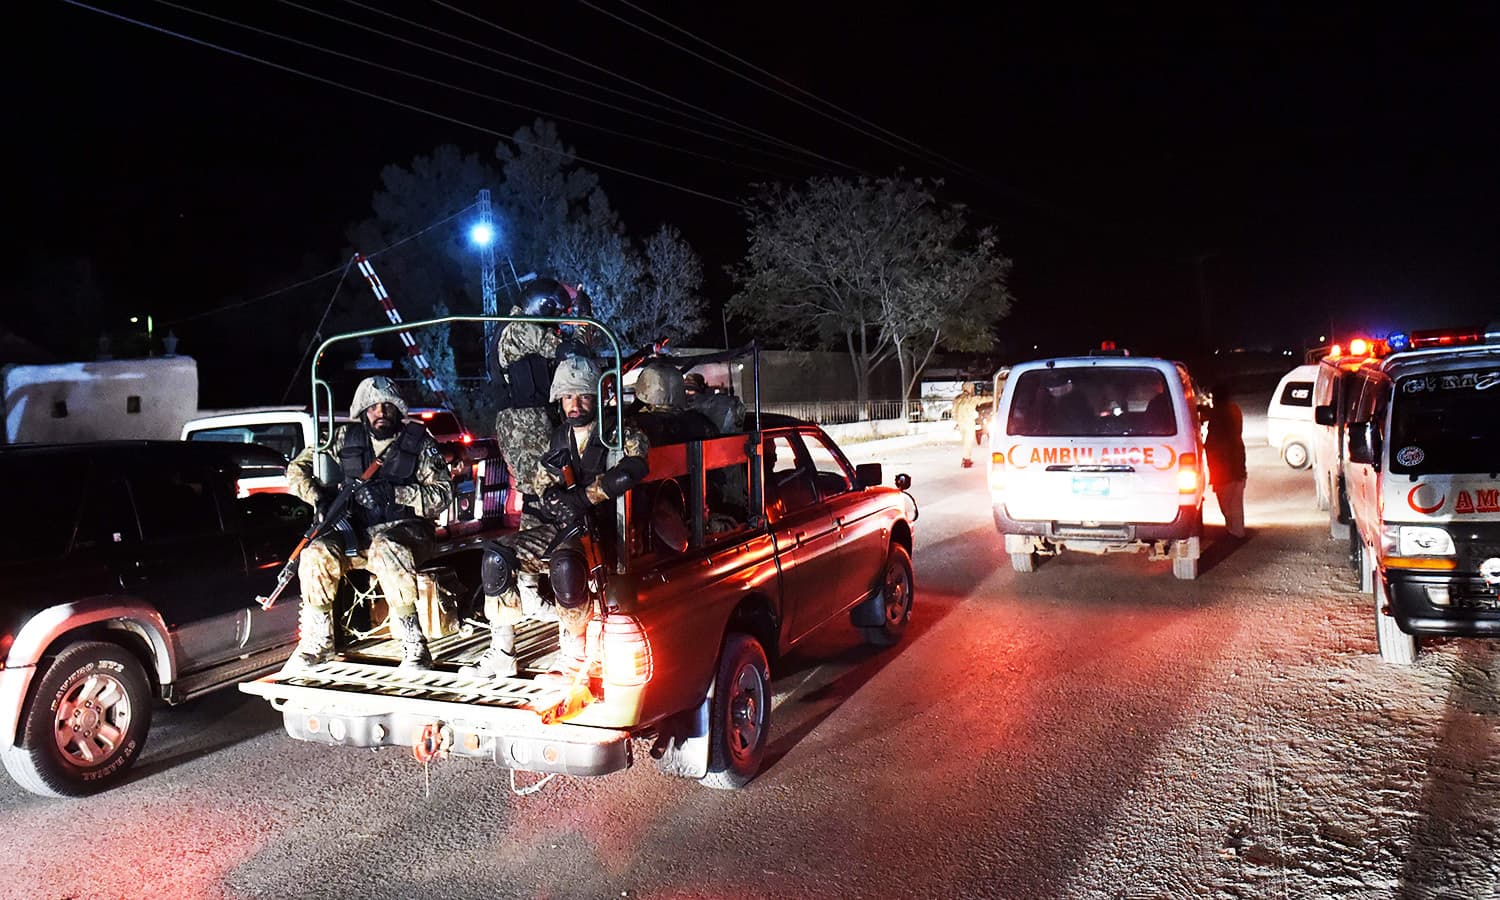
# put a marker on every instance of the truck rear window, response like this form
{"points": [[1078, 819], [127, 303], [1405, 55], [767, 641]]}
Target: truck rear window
{"points": [[1446, 422], [283, 437], [1096, 401]]}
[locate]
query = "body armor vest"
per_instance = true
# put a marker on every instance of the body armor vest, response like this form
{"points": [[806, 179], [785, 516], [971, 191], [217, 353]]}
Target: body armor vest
{"points": [[400, 467], [523, 383]]}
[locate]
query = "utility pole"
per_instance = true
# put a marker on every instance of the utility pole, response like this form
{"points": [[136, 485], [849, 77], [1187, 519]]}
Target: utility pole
{"points": [[487, 268]]}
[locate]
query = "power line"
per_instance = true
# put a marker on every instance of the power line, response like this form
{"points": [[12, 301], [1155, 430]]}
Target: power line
{"points": [[501, 100], [718, 65], [599, 68], [772, 75], [452, 120], [561, 73], [318, 329]]}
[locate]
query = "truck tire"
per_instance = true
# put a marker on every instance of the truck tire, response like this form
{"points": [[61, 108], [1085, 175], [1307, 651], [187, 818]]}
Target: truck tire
{"points": [[895, 599], [1295, 454], [84, 724], [1396, 646], [740, 717]]}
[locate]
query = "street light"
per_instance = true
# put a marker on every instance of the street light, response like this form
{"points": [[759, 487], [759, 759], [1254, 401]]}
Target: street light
{"points": [[482, 234]]}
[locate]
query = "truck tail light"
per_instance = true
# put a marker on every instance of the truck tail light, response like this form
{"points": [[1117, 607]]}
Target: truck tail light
{"points": [[1188, 480], [624, 650]]}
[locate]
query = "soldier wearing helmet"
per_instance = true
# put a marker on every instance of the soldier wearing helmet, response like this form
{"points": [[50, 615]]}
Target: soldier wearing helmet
{"points": [[525, 355], [574, 388], [663, 413], [389, 529]]}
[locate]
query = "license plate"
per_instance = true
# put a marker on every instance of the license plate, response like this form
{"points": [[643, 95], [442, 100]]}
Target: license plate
{"points": [[1091, 485]]}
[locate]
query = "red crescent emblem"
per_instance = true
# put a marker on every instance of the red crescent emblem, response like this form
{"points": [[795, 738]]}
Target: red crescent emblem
{"points": [[1411, 500], [1010, 457], [1171, 458]]}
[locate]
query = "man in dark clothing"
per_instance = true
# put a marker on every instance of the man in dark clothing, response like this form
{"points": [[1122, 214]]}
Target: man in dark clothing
{"points": [[1225, 448]]}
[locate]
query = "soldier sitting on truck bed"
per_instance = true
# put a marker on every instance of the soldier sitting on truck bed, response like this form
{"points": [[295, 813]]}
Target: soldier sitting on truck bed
{"points": [[392, 520], [663, 413], [527, 550]]}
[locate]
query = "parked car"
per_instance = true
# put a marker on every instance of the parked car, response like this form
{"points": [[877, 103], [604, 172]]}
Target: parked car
{"points": [[1290, 428], [133, 580]]}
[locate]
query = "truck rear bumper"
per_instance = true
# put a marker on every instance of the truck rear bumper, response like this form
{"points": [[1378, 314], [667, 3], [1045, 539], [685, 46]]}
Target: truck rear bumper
{"points": [[494, 722]]}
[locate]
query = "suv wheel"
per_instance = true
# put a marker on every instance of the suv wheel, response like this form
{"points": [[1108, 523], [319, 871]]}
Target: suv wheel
{"points": [[84, 723]]}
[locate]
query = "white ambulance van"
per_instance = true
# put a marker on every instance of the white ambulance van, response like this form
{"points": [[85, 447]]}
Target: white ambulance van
{"points": [[1290, 429], [1423, 478], [1332, 404], [1098, 454]]}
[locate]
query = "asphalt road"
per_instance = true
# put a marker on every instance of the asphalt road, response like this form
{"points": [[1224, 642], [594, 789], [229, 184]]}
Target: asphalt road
{"points": [[1093, 729]]}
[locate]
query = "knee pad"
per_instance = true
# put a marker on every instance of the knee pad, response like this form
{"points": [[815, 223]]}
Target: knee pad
{"points": [[497, 570], [569, 573]]}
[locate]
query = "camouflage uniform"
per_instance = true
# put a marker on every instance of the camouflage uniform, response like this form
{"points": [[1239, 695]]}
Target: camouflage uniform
{"points": [[966, 419], [532, 551], [523, 432], [391, 549]]}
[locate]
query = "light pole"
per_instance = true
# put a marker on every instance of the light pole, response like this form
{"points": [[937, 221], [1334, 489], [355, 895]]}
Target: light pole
{"points": [[482, 235]]}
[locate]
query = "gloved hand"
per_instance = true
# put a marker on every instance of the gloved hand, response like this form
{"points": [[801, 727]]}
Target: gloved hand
{"points": [[324, 500], [375, 495], [565, 505]]}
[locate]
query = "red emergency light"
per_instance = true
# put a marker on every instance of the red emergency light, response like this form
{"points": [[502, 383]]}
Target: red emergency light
{"points": [[1446, 337]]}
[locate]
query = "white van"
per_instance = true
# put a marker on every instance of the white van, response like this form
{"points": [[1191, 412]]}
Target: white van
{"points": [[1099, 455], [1422, 473], [1290, 429]]}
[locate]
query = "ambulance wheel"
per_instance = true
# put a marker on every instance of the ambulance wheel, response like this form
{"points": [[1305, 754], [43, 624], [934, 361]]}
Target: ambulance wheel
{"points": [[1295, 454], [1338, 515], [1023, 562], [1185, 569], [1320, 486], [84, 724], [1396, 646], [739, 718]]}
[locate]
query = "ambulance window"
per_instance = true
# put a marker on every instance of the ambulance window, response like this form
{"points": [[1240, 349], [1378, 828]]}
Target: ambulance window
{"points": [[1445, 423], [1097, 401], [1297, 393]]}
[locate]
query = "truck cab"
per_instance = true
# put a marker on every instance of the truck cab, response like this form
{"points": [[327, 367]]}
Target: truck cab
{"points": [[1422, 477]]}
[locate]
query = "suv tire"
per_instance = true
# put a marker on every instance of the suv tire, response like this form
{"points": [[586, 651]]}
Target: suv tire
{"points": [[84, 724]]}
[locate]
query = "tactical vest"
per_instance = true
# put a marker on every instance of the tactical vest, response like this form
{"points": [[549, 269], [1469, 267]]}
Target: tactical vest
{"points": [[588, 465], [400, 467], [523, 383]]}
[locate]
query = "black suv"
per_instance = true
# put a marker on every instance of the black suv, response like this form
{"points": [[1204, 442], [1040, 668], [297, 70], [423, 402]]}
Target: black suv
{"points": [[129, 573]]}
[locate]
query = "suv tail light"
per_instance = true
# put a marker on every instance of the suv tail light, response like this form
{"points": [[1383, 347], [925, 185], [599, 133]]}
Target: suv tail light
{"points": [[997, 471], [625, 652], [1188, 480]]}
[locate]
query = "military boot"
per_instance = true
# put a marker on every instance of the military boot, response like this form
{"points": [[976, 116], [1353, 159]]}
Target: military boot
{"points": [[315, 640], [569, 660], [499, 661], [414, 654]]}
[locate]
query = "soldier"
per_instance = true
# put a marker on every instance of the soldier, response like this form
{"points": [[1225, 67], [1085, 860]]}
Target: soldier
{"points": [[664, 414], [526, 353], [390, 524], [527, 550], [966, 420], [724, 410]]}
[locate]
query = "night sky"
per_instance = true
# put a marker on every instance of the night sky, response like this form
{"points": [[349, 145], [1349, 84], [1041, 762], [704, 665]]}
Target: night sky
{"points": [[1328, 169]]}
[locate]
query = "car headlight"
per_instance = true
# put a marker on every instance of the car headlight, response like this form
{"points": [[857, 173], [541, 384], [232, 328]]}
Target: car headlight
{"points": [[1417, 540]]}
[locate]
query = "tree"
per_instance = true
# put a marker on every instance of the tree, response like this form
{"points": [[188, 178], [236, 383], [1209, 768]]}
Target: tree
{"points": [[877, 265], [552, 218]]}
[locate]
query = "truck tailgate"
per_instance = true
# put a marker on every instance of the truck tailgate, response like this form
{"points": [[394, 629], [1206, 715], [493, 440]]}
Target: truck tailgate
{"points": [[359, 704]]}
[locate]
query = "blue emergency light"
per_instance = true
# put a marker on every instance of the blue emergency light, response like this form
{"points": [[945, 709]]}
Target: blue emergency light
{"points": [[1399, 341]]}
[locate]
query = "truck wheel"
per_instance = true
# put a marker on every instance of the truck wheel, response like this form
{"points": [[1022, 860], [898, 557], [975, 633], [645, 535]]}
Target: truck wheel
{"points": [[1295, 454], [895, 600], [84, 723], [740, 719], [1396, 646]]}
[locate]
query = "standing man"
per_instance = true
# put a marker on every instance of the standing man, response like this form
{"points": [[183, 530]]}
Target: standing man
{"points": [[1225, 449], [390, 523], [966, 420], [536, 548]]}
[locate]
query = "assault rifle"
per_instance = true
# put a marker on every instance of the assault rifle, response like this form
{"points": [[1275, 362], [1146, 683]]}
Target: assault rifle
{"points": [[332, 516]]}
